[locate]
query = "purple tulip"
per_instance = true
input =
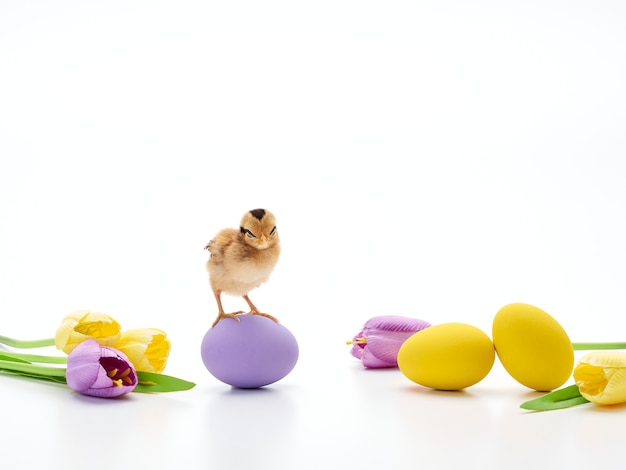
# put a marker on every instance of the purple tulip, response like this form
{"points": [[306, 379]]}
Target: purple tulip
{"points": [[99, 371], [378, 343]]}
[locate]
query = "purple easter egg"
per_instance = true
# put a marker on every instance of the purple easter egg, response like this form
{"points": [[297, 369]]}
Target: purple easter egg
{"points": [[249, 353]]}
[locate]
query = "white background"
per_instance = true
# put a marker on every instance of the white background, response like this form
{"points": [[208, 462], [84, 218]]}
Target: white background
{"points": [[432, 159]]}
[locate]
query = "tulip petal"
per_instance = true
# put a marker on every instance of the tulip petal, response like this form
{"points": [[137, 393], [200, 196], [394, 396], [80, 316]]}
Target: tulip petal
{"points": [[83, 325], [395, 323], [615, 391], [384, 345], [83, 366], [147, 348], [66, 328]]}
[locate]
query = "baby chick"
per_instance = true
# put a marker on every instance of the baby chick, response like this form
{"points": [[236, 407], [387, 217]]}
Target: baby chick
{"points": [[243, 259]]}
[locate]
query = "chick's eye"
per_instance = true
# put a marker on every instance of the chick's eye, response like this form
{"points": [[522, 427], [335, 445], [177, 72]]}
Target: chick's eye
{"points": [[273, 232], [248, 233]]}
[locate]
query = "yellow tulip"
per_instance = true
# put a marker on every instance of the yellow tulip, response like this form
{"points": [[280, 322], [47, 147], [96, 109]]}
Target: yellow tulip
{"points": [[146, 348], [82, 325], [601, 377]]}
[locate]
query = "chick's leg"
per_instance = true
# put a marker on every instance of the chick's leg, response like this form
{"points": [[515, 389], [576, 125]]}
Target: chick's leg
{"points": [[221, 315], [255, 311]]}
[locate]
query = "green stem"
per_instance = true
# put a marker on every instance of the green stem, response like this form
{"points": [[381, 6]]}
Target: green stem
{"points": [[17, 343], [36, 358], [590, 346]]}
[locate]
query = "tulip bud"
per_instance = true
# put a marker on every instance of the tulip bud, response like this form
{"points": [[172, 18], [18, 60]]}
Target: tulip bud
{"points": [[84, 324], [99, 371], [601, 377], [378, 343]]}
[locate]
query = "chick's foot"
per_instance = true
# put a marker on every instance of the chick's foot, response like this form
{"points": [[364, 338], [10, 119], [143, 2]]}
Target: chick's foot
{"points": [[266, 315], [223, 315]]}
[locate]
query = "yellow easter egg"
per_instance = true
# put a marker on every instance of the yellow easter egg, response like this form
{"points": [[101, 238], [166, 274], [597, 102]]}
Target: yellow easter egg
{"points": [[532, 346], [448, 356]]}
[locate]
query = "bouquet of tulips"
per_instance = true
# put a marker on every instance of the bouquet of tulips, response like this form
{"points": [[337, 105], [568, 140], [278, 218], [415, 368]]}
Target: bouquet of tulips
{"points": [[101, 359]]}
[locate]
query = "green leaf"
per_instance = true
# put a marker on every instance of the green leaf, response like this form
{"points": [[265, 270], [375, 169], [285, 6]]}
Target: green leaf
{"points": [[31, 370], [30, 375], [563, 398], [151, 382], [17, 366]]}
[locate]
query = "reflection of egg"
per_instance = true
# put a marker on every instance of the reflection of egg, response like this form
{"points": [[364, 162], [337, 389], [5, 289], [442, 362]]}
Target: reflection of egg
{"points": [[448, 356], [533, 347]]}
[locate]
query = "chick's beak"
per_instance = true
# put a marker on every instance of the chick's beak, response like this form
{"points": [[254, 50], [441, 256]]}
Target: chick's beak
{"points": [[262, 242]]}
